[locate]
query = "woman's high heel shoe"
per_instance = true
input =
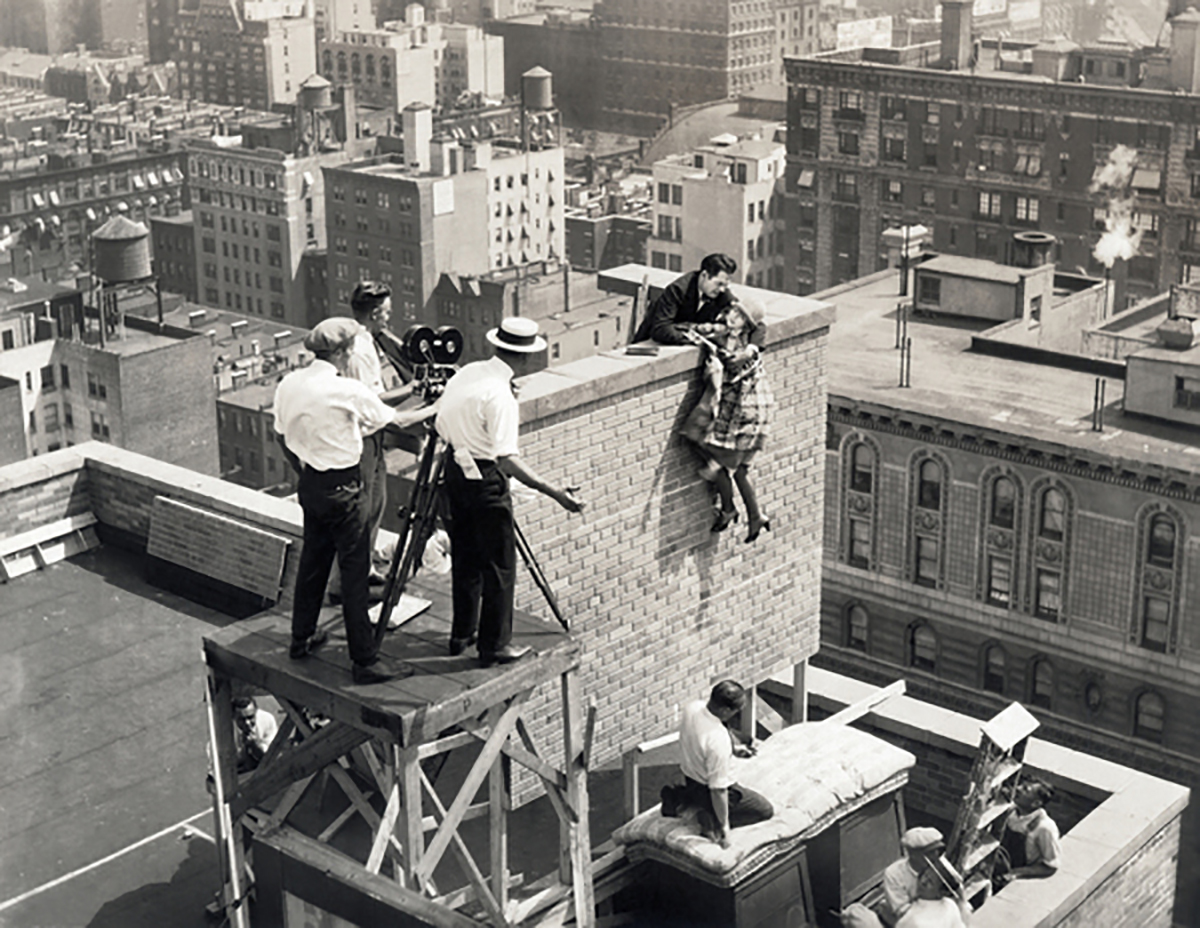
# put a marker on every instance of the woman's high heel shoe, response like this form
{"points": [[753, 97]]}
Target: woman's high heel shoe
{"points": [[762, 525], [725, 518]]}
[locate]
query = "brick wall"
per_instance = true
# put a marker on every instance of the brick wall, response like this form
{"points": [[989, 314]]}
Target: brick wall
{"points": [[1121, 829], [42, 490], [662, 606]]}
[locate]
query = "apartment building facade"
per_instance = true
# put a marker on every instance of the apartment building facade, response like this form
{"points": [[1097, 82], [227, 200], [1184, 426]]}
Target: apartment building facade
{"points": [[1013, 142], [249, 53], [256, 212], [740, 181]]}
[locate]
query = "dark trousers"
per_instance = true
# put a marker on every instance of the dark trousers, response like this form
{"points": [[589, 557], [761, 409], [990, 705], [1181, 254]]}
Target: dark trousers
{"points": [[335, 525], [374, 478], [483, 548], [745, 805]]}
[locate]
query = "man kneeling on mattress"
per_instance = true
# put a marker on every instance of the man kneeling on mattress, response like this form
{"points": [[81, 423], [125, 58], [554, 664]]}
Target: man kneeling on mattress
{"points": [[707, 748]]}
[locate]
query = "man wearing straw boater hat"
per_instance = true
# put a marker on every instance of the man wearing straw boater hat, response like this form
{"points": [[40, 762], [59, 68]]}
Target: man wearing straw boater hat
{"points": [[479, 419]]}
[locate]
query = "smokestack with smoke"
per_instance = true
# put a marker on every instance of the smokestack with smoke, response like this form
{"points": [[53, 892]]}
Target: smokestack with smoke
{"points": [[1120, 240]]}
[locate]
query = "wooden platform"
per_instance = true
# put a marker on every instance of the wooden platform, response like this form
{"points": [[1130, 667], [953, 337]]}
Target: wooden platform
{"points": [[383, 733], [442, 691]]}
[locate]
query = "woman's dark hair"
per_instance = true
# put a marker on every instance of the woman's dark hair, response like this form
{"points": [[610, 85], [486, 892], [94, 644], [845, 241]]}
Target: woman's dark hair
{"points": [[728, 695], [367, 295], [714, 264]]}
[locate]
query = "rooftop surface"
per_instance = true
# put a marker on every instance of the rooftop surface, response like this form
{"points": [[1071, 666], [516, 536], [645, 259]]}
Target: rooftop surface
{"points": [[978, 268], [948, 381]]}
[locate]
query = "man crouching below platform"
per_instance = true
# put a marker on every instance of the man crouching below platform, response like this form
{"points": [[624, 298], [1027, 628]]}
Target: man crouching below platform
{"points": [[323, 416], [707, 748], [479, 421]]}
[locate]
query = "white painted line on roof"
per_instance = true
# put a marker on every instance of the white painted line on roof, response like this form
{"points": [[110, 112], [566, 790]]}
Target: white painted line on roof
{"points": [[193, 832], [1109, 436], [66, 877]]}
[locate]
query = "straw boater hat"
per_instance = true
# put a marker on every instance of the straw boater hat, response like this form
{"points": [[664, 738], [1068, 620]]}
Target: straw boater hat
{"points": [[519, 334]]}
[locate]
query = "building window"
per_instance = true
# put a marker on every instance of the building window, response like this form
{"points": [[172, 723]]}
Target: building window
{"points": [[845, 186], [999, 581], [1027, 209], [856, 628], [848, 143], [1161, 550], [1149, 715], [862, 473], [850, 104], [859, 481], [894, 150], [993, 669], [926, 573], [930, 290], [48, 384], [922, 648], [1004, 498], [929, 485], [1187, 392], [1156, 624], [989, 205], [677, 195], [1053, 511], [664, 193], [1048, 595], [1041, 688]]}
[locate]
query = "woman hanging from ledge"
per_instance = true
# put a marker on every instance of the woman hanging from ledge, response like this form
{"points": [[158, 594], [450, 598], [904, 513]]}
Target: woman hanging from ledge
{"points": [[730, 423]]}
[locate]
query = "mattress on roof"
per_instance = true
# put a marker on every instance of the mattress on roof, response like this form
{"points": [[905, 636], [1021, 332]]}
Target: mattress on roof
{"points": [[813, 774]]}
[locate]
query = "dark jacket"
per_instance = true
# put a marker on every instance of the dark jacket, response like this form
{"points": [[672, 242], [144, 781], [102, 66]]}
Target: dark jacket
{"points": [[678, 303]]}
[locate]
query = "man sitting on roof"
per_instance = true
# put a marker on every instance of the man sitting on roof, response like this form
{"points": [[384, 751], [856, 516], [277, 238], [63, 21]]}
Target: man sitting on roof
{"points": [[707, 750]]}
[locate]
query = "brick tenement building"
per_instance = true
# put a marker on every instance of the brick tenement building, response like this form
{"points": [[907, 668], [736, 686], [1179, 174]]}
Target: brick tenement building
{"points": [[982, 541], [879, 138]]}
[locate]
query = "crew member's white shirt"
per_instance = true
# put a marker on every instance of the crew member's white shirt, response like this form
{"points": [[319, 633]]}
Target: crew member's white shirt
{"points": [[479, 416], [705, 747], [364, 364], [323, 416]]}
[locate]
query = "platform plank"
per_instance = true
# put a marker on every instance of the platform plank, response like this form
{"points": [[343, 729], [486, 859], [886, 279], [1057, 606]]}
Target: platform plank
{"points": [[440, 692]]}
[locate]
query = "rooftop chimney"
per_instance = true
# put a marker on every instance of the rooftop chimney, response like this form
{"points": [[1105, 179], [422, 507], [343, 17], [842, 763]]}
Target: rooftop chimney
{"points": [[956, 33], [1185, 53], [417, 129], [1032, 249]]}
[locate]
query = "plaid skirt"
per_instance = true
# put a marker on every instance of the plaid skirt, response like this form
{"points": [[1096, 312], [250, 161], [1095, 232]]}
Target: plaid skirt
{"points": [[737, 428]]}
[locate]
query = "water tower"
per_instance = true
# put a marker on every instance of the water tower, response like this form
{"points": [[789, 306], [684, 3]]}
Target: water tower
{"points": [[121, 265], [539, 118]]}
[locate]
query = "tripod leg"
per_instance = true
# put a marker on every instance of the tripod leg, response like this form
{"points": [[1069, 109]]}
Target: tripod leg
{"points": [[420, 518], [539, 578]]}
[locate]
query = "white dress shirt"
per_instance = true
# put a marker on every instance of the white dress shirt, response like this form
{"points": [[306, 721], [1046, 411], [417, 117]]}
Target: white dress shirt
{"points": [[363, 364], [323, 416], [479, 415], [705, 747]]}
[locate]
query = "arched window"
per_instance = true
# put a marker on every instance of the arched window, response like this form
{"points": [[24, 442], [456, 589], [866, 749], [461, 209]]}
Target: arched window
{"points": [[1157, 597], [1053, 515], [862, 468], [1149, 713], [1004, 503], [994, 660], [1161, 550], [929, 485], [1041, 690], [341, 64], [385, 72], [922, 648], [856, 628], [856, 543], [370, 67], [327, 62], [355, 65]]}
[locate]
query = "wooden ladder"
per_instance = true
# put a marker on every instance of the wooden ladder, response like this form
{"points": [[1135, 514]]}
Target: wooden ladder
{"points": [[979, 825]]}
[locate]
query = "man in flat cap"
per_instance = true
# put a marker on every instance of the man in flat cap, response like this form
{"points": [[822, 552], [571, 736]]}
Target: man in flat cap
{"points": [[478, 420], [322, 417], [902, 877]]}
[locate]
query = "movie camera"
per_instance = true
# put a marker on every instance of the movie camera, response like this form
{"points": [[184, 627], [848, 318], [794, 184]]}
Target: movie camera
{"points": [[430, 354]]}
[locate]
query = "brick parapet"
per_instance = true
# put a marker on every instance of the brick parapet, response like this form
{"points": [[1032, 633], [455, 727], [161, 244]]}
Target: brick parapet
{"points": [[1119, 858]]}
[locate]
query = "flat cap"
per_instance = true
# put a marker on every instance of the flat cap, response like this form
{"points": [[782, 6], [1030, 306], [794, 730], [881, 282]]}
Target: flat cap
{"points": [[331, 334], [922, 839]]}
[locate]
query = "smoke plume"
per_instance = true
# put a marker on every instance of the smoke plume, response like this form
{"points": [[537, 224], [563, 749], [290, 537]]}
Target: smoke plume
{"points": [[1120, 240]]}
